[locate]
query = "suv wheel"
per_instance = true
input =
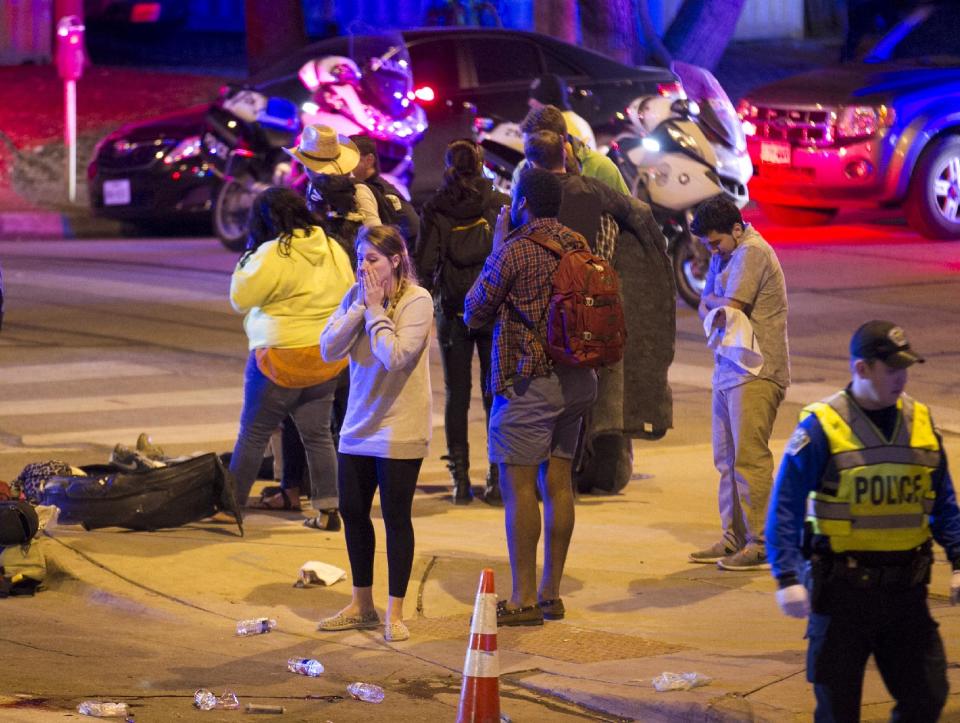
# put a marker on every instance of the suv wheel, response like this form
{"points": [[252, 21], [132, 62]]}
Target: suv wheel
{"points": [[933, 200], [797, 215]]}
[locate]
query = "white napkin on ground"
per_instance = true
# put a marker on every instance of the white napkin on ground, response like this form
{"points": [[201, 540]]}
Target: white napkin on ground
{"points": [[314, 571]]}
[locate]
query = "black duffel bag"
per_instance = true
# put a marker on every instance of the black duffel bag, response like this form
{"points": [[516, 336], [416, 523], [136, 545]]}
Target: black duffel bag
{"points": [[18, 522], [150, 499]]}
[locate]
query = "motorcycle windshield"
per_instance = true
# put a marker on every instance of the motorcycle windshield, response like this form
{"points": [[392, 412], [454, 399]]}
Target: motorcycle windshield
{"points": [[716, 111], [386, 74]]}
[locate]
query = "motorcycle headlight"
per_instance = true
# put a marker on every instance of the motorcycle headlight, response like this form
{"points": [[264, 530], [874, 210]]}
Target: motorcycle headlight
{"points": [[187, 148], [684, 140], [863, 121]]}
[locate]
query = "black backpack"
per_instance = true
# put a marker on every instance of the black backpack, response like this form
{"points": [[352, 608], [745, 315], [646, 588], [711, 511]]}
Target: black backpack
{"points": [[464, 247], [18, 522]]}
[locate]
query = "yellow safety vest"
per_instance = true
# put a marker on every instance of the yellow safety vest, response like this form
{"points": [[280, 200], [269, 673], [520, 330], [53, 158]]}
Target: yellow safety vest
{"points": [[876, 494]]}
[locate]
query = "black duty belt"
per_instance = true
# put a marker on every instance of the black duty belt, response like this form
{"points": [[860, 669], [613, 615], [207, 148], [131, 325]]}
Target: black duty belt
{"points": [[852, 572]]}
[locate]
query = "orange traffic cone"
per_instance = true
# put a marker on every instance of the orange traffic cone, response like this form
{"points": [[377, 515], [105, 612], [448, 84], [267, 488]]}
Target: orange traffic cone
{"points": [[480, 694]]}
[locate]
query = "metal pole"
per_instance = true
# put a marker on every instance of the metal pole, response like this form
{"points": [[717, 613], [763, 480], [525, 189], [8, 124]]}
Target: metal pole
{"points": [[70, 136]]}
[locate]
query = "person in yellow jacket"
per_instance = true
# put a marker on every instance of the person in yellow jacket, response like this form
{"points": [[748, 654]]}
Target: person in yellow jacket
{"points": [[862, 488], [289, 283]]}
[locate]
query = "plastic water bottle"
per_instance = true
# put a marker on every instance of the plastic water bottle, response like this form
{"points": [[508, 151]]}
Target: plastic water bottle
{"points": [[205, 699], [255, 626], [305, 666], [366, 692], [102, 709]]}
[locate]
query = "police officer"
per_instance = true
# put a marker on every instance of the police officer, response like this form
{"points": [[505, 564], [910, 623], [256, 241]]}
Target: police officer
{"points": [[862, 487]]}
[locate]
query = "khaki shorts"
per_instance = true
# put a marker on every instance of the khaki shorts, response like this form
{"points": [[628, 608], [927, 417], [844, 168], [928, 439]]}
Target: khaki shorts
{"points": [[539, 418]]}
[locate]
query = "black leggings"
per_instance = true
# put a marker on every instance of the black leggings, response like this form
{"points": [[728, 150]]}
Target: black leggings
{"points": [[358, 478]]}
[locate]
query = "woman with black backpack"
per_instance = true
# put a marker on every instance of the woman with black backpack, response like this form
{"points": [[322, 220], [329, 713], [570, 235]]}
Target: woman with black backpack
{"points": [[456, 236]]}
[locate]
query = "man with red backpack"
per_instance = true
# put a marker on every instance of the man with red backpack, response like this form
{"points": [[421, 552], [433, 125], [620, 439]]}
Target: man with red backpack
{"points": [[538, 401]]}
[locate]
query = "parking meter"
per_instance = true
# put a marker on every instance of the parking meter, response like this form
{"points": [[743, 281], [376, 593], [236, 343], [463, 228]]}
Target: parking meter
{"points": [[70, 58], [70, 52]]}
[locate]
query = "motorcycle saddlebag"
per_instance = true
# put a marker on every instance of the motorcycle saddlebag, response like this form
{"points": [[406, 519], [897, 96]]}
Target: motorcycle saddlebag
{"points": [[150, 499]]}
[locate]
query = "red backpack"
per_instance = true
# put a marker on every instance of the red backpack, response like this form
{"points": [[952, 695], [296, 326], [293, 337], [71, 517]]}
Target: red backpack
{"points": [[585, 326]]}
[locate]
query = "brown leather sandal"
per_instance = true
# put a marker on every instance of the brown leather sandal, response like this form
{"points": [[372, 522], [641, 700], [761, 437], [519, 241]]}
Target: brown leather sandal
{"points": [[277, 498]]}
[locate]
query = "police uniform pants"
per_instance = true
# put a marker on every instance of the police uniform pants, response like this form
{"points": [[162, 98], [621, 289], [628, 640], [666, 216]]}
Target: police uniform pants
{"points": [[894, 625]]}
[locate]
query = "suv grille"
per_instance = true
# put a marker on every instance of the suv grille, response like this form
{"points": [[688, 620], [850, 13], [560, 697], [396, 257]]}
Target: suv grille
{"points": [[797, 126]]}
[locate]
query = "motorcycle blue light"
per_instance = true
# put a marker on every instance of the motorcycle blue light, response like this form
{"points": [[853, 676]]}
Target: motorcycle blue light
{"points": [[651, 144]]}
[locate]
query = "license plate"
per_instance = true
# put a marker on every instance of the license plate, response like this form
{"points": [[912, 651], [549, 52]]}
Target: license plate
{"points": [[116, 193], [777, 154]]}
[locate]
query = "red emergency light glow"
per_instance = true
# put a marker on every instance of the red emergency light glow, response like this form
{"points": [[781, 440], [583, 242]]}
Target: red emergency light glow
{"points": [[425, 93], [145, 13]]}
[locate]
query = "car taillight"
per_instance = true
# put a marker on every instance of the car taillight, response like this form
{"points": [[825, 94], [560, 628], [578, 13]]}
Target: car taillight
{"points": [[425, 94], [145, 13], [674, 89]]}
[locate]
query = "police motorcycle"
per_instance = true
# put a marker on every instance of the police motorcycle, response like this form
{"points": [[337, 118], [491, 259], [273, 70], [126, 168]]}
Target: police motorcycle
{"points": [[676, 153], [369, 92]]}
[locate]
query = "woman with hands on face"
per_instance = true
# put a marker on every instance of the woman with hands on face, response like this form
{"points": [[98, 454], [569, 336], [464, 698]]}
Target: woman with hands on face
{"points": [[383, 326]]}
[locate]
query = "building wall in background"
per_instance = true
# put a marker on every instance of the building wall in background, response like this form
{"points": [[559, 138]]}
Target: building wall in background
{"points": [[760, 18]]}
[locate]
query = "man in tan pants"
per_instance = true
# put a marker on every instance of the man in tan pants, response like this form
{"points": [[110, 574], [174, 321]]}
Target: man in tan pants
{"points": [[744, 280]]}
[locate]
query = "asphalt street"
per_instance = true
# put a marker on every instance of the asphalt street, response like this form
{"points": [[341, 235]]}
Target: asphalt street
{"points": [[104, 339]]}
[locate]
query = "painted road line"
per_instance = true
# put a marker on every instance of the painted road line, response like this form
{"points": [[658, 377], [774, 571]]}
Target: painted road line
{"points": [[130, 290], [72, 371], [201, 435], [227, 396]]}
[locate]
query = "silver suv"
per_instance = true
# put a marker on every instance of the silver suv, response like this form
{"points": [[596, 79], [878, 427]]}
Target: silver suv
{"points": [[884, 131]]}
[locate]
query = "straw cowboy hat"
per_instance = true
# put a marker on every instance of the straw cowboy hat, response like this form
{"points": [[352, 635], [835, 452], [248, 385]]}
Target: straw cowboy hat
{"points": [[322, 150]]}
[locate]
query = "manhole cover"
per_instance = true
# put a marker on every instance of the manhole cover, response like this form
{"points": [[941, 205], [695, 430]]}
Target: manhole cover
{"points": [[556, 640]]}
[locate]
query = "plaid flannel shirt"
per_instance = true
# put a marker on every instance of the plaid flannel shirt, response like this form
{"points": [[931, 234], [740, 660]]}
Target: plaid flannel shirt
{"points": [[519, 272]]}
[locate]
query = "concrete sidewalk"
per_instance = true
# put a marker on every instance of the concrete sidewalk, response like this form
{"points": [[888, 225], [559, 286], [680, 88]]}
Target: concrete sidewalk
{"points": [[636, 607]]}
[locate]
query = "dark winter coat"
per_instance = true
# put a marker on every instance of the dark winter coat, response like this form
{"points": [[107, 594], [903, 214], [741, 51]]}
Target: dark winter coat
{"points": [[445, 210]]}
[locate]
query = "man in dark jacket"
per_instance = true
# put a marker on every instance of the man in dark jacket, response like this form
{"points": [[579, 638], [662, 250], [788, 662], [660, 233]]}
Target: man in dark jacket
{"points": [[634, 399], [398, 209]]}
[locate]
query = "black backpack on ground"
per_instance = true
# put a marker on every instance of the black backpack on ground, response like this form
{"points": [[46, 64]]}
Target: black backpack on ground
{"points": [[18, 522], [464, 247], [171, 496]]}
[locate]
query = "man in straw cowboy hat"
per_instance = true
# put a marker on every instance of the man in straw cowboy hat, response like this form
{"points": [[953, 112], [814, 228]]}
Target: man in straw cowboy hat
{"points": [[329, 158]]}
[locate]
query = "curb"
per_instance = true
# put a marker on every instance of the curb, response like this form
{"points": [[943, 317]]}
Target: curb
{"points": [[54, 225]]}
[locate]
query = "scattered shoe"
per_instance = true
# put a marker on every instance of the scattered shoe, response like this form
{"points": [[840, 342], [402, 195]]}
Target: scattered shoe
{"points": [[552, 609], [712, 554], [751, 557], [364, 621], [508, 617], [147, 448], [395, 632], [125, 458], [327, 520]]}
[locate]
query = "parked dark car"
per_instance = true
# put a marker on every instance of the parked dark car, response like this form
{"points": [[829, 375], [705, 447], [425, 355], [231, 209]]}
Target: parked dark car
{"points": [[884, 131], [148, 170]]}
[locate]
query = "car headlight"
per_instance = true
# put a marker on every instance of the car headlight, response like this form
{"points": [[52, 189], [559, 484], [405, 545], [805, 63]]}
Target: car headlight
{"points": [[684, 140], [187, 148], [863, 121]]}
